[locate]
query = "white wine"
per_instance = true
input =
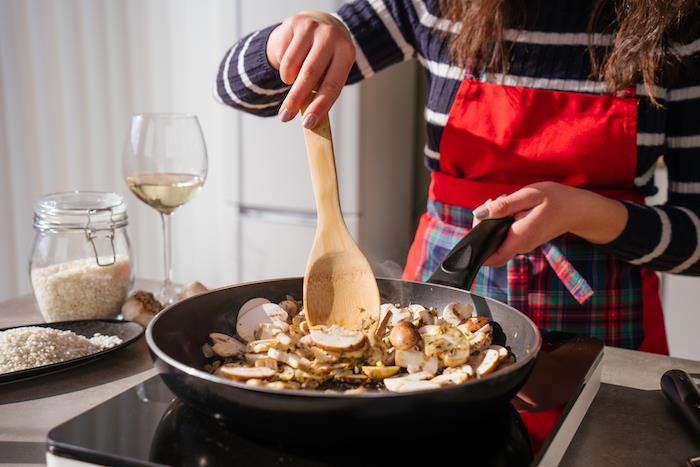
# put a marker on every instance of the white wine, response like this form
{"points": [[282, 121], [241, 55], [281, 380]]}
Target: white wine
{"points": [[165, 191]]}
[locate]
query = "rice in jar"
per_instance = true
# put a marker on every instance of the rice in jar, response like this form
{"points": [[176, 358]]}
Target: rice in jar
{"points": [[81, 265]]}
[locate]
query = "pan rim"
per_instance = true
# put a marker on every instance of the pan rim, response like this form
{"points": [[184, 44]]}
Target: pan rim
{"points": [[314, 393]]}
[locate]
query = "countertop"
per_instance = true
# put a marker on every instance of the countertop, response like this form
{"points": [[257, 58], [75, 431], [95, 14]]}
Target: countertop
{"points": [[628, 422]]}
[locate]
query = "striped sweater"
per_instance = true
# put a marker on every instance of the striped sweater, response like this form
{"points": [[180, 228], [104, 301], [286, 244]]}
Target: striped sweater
{"points": [[549, 51]]}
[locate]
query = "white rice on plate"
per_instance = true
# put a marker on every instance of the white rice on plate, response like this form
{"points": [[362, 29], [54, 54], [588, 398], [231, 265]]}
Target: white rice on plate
{"points": [[33, 346]]}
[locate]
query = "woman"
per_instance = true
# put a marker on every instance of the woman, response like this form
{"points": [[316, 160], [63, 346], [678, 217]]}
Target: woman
{"points": [[552, 112]]}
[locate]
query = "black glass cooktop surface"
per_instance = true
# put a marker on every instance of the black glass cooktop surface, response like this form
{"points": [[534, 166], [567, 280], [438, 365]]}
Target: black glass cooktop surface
{"points": [[147, 425]]}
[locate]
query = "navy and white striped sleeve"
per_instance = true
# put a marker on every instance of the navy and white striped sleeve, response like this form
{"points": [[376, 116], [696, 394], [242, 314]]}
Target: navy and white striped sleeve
{"points": [[246, 80], [667, 237], [381, 30]]}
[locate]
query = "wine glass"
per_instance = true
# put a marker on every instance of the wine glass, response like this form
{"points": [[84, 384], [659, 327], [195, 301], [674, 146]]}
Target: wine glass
{"points": [[165, 165]]}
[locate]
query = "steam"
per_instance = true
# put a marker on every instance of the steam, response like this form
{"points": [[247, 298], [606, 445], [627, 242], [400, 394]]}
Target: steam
{"points": [[391, 291]]}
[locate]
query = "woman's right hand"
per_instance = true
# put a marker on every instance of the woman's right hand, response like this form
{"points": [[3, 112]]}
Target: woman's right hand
{"points": [[312, 51]]}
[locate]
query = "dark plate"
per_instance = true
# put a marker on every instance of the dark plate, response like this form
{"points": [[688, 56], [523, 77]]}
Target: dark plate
{"points": [[127, 331]]}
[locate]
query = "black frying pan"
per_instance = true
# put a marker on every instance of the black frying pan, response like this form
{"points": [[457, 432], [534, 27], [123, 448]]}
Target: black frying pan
{"points": [[175, 337]]}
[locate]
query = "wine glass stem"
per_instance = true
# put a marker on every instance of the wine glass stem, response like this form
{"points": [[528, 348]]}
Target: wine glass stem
{"points": [[167, 292]]}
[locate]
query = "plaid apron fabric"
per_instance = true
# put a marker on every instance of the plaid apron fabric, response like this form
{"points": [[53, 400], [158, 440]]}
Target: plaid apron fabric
{"points": [[565, 285]]}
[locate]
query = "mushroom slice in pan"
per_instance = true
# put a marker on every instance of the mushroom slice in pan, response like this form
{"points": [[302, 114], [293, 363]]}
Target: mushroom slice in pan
{"points": [[456, 377], [336, 338], [245, 373], [351, 378], [481, 339], [477, 322], [248, 323], [404, 385], [430, 330], [226, 346], [502, 351], [324, 356], [267, 363], [489, 363], [455, 357], [400, 315], [250, 304], [287, 374], [261, 346], [455, 313], [421, 314], [412, 360], [290, 359], [251, 358], [377, 373]]}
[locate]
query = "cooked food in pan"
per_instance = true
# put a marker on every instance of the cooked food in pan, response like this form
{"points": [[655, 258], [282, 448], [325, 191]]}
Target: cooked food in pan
{"points": [[407, 349]]}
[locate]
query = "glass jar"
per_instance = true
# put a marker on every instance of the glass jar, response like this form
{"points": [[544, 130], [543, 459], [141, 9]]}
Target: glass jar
{"points": [[81, 264]]}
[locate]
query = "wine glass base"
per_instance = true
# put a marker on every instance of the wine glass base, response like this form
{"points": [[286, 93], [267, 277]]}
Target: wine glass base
{"points": [[167, 295]]}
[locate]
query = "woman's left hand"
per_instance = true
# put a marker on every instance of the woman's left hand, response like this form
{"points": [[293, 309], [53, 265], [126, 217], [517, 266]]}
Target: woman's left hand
{"points": [[546, 210]]}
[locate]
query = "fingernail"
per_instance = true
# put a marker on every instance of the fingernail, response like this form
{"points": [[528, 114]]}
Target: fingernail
{"points": [[309, 121], [285, 115], [481, 212]]}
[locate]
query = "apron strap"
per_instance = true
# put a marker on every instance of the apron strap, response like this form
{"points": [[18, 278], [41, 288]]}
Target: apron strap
{"points": [[569, 276]]}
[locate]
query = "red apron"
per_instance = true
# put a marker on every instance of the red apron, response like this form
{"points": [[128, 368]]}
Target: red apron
{"points": [[499, 139]]}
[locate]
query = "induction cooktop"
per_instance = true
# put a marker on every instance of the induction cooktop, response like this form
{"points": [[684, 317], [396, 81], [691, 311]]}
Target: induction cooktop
{"points": [[148, 425]]}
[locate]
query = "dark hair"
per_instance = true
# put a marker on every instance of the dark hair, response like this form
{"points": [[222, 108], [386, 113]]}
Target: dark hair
{"points": [[643, 35]]}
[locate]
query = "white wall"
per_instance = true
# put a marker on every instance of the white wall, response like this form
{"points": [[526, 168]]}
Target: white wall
{"points": [[71, 74]]}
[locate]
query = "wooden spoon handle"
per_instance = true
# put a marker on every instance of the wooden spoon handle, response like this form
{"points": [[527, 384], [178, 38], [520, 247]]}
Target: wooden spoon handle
{"points": [[319, 148]]}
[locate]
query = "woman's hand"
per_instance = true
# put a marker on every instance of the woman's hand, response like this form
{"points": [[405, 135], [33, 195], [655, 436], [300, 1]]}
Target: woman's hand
{"points": [[546, 210], [311, 50]]}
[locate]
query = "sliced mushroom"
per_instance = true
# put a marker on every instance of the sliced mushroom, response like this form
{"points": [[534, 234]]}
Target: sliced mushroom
{"points": [[477, 322], [502, 351], [247, 323], [335, 338], [455, 313], [270, 330], [287, 373], [207, 351], [351, 378], [325, 356], [455, 357], [226, 346], [282, 385], [399, 316], [290, 359], [244, 373], [430, 330], [290, 306], [408, 385], [480, 340], [378, 373], [251, 358], [250, 304], [386, 308], [489, 363], [420, 314], [284, 340], [412, 360], [261, 346], [267, 363], [456, 377], [431, 365]]}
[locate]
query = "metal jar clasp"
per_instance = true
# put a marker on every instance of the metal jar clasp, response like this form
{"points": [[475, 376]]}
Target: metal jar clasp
{"points": [[93, 234]]}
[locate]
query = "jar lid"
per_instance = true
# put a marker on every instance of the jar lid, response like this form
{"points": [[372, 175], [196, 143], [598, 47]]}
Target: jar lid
{"points": [[80, 210]]}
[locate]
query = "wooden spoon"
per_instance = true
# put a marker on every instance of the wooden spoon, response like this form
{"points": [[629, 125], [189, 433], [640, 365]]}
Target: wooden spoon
{"points": [[339, 286]]}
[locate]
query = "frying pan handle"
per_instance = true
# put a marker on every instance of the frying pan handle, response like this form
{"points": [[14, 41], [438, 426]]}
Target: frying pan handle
{"points": [[462, 264], [680, 389]]}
